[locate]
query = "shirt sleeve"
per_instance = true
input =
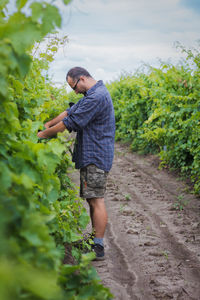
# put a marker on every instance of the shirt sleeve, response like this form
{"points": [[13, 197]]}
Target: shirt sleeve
{"points": [[72, 108], [82, 114]]}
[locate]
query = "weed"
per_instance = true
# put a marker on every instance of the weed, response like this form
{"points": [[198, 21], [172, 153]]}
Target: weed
{"points": [[165, 253], [128, 197], [180, 203], [121, 208]]}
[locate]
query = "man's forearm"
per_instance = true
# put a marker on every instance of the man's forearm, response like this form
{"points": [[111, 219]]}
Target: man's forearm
{"points": [[49, 132], [56, 120]]}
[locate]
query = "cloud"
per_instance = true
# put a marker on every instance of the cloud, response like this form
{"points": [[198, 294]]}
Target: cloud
{"points": [[110, 36], [119, 16], [106, 61]]}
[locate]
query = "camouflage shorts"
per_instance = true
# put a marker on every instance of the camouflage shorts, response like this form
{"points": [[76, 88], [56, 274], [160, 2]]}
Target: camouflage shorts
{"points": [[92, 182]]}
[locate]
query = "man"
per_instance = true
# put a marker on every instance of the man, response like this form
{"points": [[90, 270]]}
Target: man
{"points": [[93, 120]]}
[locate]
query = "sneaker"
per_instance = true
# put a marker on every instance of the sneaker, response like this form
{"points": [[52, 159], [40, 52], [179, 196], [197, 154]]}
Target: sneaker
{"points": [[99, 251]]}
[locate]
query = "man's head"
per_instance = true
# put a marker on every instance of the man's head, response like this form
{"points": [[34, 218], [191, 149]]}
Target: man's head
{"points": [[80, 80]]}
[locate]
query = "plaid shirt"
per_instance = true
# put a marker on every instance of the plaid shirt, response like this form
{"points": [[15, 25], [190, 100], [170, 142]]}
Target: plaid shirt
{"points": [[94, 121]]}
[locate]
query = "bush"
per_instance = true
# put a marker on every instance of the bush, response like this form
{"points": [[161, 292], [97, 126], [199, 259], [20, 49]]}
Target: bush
{"points": [[159, 112], [39, 210]]}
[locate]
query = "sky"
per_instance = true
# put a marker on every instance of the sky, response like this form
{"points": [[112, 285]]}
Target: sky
{"points": [[111, 37]]}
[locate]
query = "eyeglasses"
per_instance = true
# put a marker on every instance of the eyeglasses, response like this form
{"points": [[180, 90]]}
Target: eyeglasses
{"points": [[74, 87]]}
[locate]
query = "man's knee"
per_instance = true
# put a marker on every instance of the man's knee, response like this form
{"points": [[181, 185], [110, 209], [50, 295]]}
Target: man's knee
{"points": [[95, 202]]}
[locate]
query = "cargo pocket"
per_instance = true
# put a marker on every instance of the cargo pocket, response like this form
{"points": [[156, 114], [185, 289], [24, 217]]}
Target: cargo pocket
{"points": [[96, 178]]}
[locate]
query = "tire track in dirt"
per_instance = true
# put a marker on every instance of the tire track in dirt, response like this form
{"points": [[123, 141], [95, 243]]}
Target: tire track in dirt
{"points": [[152, 250], [117, 276]]}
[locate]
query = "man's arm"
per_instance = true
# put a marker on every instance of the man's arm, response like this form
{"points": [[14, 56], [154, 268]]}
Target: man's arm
{"points": [[56, 120], [51, 131], [85, 112]]}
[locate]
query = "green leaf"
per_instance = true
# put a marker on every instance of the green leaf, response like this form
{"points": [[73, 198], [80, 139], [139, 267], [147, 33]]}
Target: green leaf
{"points": [[34, 230], [66, 2], [54, 49], [28, 32], [24, 180], [75, 237], [83, 219], [47, 15], [24, 62], [37, 11], [21, 3], [5, 177], [3, 3], [68, 269], [51, 19], [57, 147], [47, 160], [3, 87]]}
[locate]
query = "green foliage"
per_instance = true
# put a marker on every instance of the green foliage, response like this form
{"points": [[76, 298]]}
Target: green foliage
{"points": [[72, 97], [180, 203], [83, 283], [159, 112], [39, 209], [67, 1]]}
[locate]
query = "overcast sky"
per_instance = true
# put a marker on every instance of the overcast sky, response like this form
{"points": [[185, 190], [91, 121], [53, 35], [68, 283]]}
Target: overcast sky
{"points": [[110, 36]]}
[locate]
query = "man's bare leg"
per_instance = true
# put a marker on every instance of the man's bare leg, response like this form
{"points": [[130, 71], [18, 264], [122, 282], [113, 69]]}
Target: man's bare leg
{"points": [[91, 215], [98, 216]]}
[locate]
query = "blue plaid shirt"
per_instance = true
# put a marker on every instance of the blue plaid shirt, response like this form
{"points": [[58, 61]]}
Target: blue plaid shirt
{"points": [[92, 117]]}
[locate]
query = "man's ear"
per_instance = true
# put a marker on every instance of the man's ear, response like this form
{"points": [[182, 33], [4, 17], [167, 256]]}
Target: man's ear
{"points": [[82, 77]]}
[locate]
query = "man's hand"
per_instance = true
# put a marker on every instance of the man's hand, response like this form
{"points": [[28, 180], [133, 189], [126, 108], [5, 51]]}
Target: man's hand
{"points": [[56, 120], [47, 124], [51, 131], [41, 134]]}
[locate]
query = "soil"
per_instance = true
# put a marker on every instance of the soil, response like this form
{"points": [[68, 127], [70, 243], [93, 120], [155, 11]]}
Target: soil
{"points": [[152, 240]]}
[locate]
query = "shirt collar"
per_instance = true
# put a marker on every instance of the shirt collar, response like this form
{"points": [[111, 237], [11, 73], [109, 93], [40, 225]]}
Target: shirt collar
{"points": [[93, 88]]}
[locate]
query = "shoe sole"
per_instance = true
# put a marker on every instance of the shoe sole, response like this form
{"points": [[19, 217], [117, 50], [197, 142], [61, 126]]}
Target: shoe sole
{"points": [[99, 258]]}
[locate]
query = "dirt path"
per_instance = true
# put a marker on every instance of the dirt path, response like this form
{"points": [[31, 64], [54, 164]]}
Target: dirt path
{"points": [[152, 249]]}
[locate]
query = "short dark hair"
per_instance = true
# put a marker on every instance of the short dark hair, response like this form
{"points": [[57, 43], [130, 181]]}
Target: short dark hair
{"points": [[76, 72]]}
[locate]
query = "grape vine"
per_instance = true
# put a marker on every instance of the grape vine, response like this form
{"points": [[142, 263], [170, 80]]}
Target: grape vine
{"points": [[39, 208]]}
